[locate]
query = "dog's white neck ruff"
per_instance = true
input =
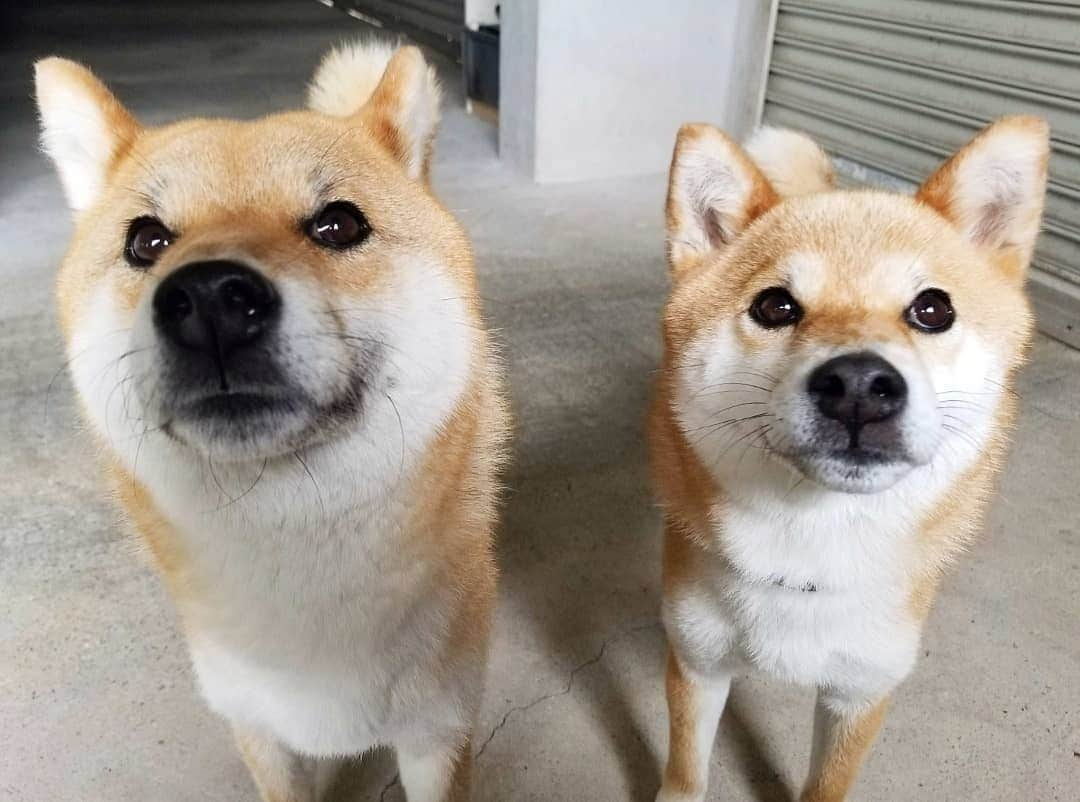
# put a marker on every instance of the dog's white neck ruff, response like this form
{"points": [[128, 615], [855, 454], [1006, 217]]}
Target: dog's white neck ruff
{"points": [[769, 549]]}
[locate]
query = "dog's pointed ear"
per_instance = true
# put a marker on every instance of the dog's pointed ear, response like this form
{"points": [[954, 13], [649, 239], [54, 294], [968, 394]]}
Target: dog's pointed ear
{"points": [[993, 189], [394, 92], [714, 192], [404, 110], [83, 127]]}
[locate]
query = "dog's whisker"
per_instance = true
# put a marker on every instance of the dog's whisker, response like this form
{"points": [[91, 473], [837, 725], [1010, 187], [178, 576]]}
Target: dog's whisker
{"points": [[401, 432], [311, 476], [258, 478], [751, 433], [709, 387], [214, 476], [714, 425]]}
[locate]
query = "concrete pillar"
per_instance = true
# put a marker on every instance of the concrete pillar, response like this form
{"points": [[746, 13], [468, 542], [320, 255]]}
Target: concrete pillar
{"points": [[597, 88]]}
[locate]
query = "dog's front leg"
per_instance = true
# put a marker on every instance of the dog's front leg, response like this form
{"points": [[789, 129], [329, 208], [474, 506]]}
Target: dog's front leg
{"points": [[695, 704], [280, 774], [436, 771], [843, 733]]}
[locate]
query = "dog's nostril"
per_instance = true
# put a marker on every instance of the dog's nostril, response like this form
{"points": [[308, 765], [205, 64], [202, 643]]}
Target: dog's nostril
{"points": [[174, 303], [241, 297], [883, 387], [831, 385]]}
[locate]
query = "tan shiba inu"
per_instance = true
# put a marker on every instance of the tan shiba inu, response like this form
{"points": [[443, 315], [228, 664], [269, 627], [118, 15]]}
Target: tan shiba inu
{"points": [[834, 405], [274, 332]]}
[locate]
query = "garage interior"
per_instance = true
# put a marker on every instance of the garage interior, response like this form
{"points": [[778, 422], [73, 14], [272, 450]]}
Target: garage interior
{"points": [[98, 701]]}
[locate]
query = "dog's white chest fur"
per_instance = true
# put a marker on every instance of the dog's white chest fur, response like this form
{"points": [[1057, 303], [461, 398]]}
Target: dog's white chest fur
{"points": [[811, 593], [310, 617]]}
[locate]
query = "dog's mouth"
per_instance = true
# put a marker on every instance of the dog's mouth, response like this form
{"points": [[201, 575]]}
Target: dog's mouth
{"points": [[858, 455], [246, 425], [846, 465], [258, 422], [854, 469], [237, 406]]}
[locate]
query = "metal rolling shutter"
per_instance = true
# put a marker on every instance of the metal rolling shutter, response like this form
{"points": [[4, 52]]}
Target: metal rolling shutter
{"points": [[897, 85], [436, 23]]}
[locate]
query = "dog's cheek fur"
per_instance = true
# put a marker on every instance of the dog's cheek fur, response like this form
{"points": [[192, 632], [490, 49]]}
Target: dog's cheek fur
{"points": [[104, 359], [724, 386]]}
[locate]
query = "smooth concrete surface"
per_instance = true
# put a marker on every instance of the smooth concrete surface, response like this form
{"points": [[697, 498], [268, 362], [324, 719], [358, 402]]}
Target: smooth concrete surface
{"points": [[597, 89], [96, 696]]}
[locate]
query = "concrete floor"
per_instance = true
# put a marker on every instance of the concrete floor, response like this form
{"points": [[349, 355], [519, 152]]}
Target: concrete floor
{"points": [[96, 695]]}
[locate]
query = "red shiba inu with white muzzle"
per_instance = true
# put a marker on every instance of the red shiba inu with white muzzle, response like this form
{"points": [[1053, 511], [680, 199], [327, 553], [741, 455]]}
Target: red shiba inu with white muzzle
{"points": [[834, 405], [274, 332]]}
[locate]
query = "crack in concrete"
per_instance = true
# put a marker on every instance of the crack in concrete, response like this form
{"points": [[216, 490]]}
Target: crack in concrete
{"points": [[596, 658], [386, 788]]}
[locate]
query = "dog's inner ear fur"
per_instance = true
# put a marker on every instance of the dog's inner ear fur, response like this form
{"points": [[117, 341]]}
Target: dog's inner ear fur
{"points": [[714, 192], [394, 93], [994, 187], [84, 129]]}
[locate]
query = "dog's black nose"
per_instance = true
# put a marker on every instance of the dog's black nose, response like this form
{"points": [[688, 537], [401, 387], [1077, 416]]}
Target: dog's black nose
{"points": [[215, 306], [857, 388]]}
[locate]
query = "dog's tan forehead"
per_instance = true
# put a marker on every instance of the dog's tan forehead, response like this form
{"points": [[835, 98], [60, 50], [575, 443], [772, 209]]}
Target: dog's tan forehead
{"points": [[829, 247], [821, 278], [286, 160]]}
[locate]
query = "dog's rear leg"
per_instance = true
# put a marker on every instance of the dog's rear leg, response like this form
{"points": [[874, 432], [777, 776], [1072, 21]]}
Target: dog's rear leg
{"points": [[695, 704], [280, 774], [439, 772], [842, 738]]}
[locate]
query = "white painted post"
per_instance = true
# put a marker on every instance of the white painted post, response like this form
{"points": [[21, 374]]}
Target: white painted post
{"points": [[597, 88]]}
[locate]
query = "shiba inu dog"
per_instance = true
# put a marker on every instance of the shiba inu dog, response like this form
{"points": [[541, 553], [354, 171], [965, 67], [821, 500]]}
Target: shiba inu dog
{"points": [[274, 332], [836, 395]]}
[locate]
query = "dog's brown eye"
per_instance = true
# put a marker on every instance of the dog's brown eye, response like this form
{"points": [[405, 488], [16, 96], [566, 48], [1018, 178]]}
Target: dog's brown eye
{"points": [[930, 311], [775, 307], [339, 225], [147, 238]]}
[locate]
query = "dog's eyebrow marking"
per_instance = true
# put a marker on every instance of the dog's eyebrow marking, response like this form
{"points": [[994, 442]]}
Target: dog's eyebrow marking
{"points": [[152, 203], [322, 182], [328, 187], [805, 273], [325, 187], [148, 200], [903, 272]]}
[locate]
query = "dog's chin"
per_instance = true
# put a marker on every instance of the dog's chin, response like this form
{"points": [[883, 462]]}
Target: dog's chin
{"points": [[242, 426], [852, 470]]}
